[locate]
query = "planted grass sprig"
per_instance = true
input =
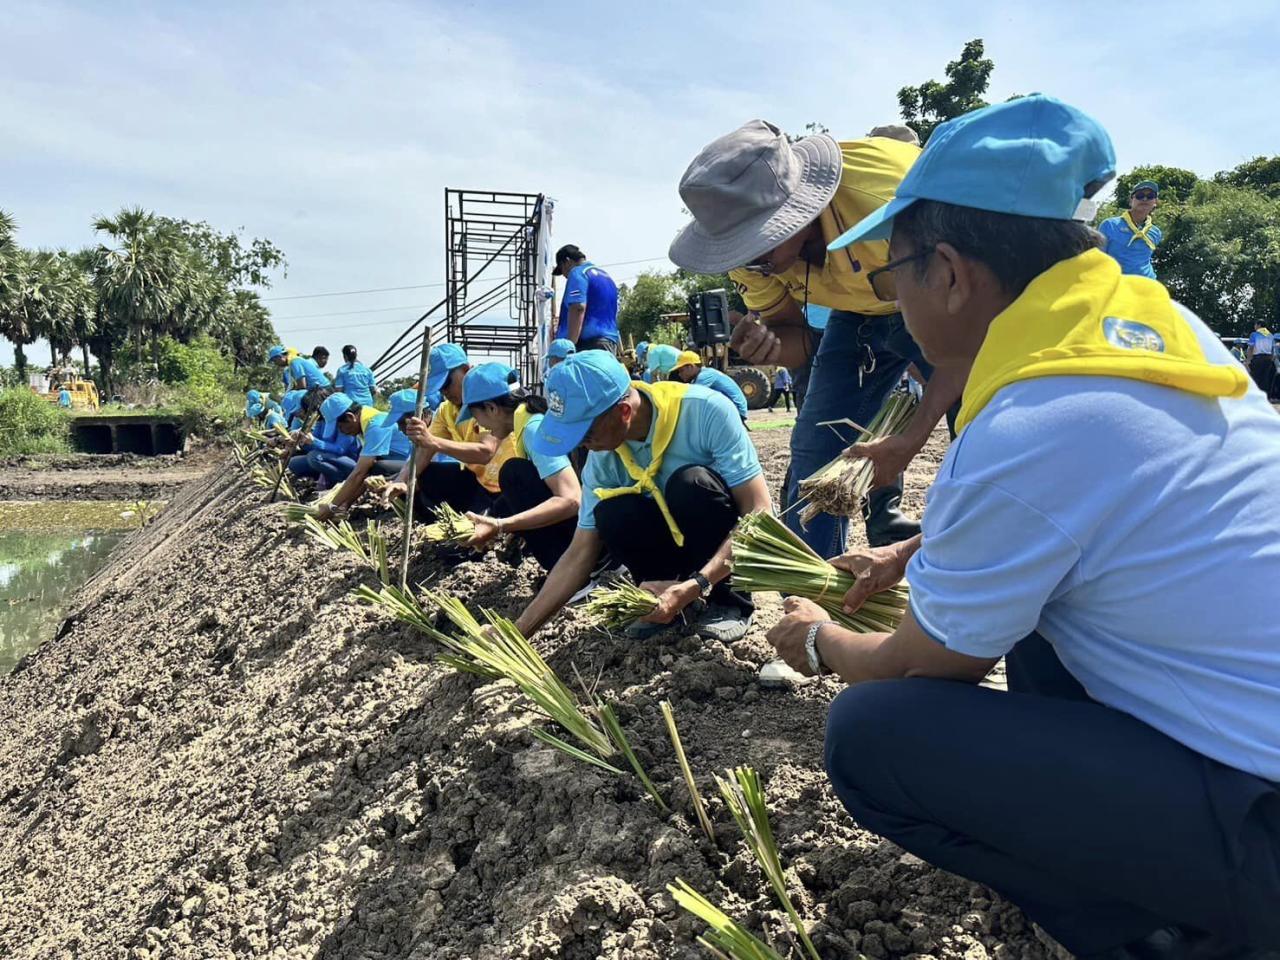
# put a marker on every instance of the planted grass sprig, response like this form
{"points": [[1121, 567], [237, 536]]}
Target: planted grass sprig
{"points": [[726, 939], [618, 603], [668, 714], [450, 526], [842, 485], [744, 796], [269, 474], [768, 556]]}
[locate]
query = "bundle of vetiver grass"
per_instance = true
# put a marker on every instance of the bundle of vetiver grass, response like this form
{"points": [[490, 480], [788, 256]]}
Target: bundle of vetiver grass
{"points": [[619, 602], [768, 557], [268, 476], [840, 487], [450, 526]]}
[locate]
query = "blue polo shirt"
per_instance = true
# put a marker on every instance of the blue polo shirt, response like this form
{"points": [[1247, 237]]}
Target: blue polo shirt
{"points": [[709, 432], [588, 284], [724, 384], [301, 367], [384, 439], [1263, 343], [356, 381], [327, 438], [546, 465], [1133, 255], [1135, 562]]}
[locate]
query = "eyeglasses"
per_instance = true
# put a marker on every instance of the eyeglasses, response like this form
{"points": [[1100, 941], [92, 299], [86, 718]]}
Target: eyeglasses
{"points": [[761, 265], [883, 284], [1144, 195]]}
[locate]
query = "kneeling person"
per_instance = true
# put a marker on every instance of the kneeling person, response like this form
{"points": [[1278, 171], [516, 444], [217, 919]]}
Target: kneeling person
{"points": [[383, 448], [689, 369], [539, 495], [669, 473]]}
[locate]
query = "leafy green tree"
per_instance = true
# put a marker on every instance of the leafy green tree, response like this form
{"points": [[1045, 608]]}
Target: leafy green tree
{"points": [[139, 271], [931, 103], [1261, 174], [642, 304], [1221, 257]]}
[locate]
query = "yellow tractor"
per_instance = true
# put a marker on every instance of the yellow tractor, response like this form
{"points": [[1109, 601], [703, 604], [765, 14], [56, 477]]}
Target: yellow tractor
{"points": [[84, 393]]}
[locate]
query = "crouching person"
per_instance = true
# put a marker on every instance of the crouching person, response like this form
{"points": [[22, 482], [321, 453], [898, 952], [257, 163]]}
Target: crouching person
{"points": [[1125, 791], [384, 448], [538, 494], [669, 472]]}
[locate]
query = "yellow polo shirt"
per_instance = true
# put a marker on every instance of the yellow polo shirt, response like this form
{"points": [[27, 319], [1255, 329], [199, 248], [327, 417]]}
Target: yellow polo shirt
{"points": [[873, 168], [445, 425]]}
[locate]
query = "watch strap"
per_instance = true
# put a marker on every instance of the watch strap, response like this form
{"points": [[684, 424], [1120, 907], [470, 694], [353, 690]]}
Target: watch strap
{"points": [[704, 585], [816, 666]]}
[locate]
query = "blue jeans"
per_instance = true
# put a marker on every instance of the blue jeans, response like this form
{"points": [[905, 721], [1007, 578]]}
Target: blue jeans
{"points": [[1100, 827], [833, 393]]}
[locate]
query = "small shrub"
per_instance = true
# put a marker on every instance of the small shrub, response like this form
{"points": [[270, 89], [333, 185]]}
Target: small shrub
{"points": [[31, 424]]}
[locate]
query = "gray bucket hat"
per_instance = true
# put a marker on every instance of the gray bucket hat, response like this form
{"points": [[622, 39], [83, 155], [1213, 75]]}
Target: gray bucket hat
{"points": [[749, 191]]}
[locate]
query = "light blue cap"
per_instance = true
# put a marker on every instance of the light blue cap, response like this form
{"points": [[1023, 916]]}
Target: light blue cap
{"points": [[560, 348], [291, 402], [276, 351], [334, 406], [1031, 157], [642, 348], [254, 410], [446, 357], [272, 405], [578, 390], [662, 358], [485, 382], [403, 402]]}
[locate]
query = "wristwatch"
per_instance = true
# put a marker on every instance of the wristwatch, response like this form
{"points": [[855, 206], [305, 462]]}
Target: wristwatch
{"points": [[816, 666], [704, 585]]}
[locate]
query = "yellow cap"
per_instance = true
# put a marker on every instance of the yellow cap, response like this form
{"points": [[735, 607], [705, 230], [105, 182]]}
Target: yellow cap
{"points": [[687, 357]]}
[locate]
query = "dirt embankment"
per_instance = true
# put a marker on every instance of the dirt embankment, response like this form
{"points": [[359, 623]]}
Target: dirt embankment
{"points": [[222, 756], [114, 476]]}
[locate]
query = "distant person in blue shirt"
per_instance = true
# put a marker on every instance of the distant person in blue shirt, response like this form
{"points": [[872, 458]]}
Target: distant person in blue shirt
{"points": [[559, 351], [782, 387], [64, 398], [384, 448], [320, 354], [589, 307], [355, 379], [300, 373], [1261, 356], [1131, 237], [689, 369], [670, 471]]}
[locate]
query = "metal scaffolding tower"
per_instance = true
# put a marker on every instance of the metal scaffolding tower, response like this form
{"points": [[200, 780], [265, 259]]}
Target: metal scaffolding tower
{"points": [[490, 307]]}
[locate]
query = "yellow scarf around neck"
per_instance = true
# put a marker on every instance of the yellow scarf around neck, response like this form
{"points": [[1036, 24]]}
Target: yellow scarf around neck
{"points": [[666, 397], [1083, 317], [511, 447], [1139, 232]]}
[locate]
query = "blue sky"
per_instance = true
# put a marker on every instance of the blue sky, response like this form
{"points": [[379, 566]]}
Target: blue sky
{"points": [[333, 129]]}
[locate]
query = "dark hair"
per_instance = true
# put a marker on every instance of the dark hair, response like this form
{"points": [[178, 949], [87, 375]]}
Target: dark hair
{"points": [[320, 350], [509, 401], [314, 397], [349, 353], [569, 251], [1016, 249]]}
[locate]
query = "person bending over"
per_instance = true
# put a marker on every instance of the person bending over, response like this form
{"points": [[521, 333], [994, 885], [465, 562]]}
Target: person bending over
{"points": [[452, 457], [1128, 799], [384, 448], [688, 369], [538, 495], [669, 472], [764, 209]]}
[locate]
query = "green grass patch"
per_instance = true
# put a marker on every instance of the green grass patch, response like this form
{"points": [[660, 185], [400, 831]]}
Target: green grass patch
{"points": [[773, 425]]}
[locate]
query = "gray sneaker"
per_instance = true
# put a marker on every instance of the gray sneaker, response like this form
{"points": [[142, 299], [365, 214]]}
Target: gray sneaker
{"points": [[725, 624]]}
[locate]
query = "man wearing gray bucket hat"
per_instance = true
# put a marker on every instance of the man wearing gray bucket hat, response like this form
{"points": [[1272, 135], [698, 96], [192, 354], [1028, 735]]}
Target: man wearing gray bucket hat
{"points": [[764, 209]]}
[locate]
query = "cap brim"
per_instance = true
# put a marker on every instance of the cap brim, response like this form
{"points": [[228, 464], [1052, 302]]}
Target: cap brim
{"points": [[255, 410], [697, 250], [877, 225], [558, 438]]}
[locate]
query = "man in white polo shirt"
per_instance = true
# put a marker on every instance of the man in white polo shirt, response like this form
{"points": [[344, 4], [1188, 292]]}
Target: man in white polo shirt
{"points": [[1111, 482]]}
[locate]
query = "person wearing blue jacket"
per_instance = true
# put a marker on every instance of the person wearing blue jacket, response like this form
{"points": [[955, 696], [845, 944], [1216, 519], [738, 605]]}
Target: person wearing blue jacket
{"points": [[689, 369], [384, 449], [299, 372], [355, 379]]}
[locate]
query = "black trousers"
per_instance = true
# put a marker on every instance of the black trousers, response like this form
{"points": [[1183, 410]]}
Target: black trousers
{"points": [[636, 535], [785, 394], [523, 489], [598, 343], [1263, 370], [1100, 827], [452, 484]]}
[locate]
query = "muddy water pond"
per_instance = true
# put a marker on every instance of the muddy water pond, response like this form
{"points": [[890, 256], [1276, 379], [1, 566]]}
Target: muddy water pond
{"points": [[48, 550]]}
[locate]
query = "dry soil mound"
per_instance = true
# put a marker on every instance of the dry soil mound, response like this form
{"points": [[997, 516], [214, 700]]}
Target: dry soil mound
{"points": [[222, 756]]}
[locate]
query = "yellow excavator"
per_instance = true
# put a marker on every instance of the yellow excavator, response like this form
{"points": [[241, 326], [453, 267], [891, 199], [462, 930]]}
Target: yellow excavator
{"points": [[84, 393]]}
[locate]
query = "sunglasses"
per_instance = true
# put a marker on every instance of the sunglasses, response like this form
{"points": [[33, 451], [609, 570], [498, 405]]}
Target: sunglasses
{"points": [[1144, 195], [883, 284]]}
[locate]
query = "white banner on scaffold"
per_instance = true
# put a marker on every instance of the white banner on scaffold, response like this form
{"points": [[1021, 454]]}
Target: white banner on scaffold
{"points": [[542, 279]]}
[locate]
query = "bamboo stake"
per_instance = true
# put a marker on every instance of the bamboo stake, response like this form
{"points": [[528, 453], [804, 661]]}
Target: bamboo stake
{"points": [[412, 486]]}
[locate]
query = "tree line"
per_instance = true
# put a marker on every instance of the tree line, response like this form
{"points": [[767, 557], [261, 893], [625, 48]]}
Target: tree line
{"points": [[150, 277]]}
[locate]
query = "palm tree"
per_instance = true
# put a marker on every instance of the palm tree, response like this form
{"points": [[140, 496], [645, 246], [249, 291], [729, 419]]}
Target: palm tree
{"points": [[138, 277], [26, 313]]}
